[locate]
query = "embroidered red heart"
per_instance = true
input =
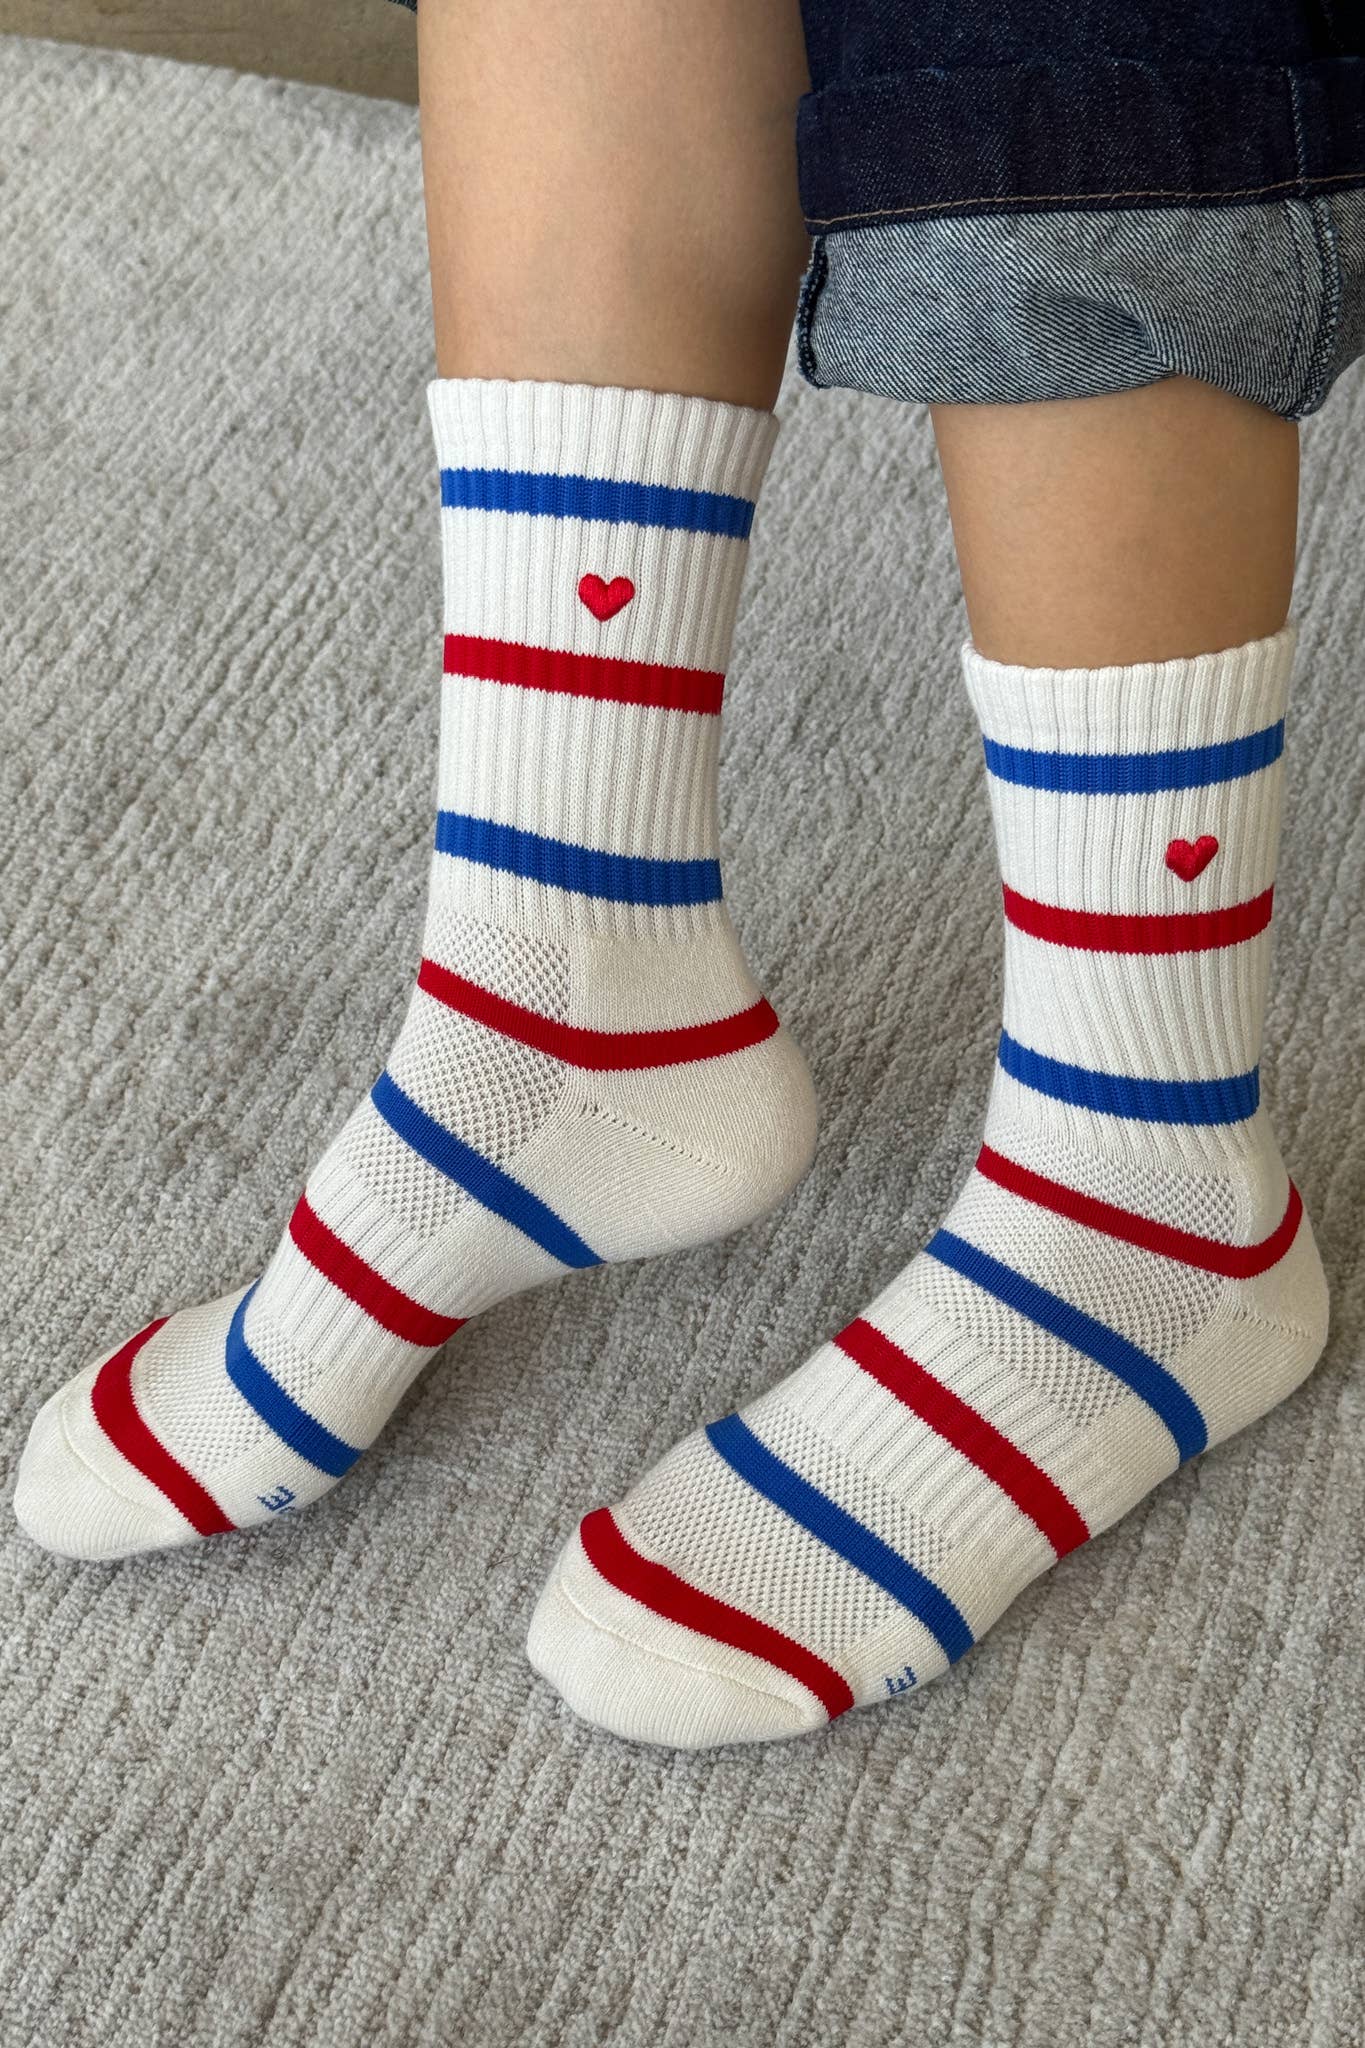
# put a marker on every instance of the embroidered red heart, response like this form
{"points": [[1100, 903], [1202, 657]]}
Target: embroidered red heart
{"points": [[1189, 861], [605, 600]]}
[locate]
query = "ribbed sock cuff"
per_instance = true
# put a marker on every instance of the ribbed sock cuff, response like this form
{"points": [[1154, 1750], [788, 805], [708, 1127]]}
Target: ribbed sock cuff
{"points": [[659, 439], [1145, 707], [594, 544]]}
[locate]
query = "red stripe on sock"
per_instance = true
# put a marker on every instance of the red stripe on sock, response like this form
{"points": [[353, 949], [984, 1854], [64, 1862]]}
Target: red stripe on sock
{"points": [[384, 1303], [968, 1431], [599, 1051], [664, 1593], [1097, 931], [111, 1397], [601, 676], [1208, 1254]]}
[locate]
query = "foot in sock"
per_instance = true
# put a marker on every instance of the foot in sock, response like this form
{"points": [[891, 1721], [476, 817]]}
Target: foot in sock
{"points": [[1127, 1277], [586, 1071]]}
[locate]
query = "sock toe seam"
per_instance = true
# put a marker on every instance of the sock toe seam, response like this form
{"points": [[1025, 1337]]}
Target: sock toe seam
{"points": [[668, 1656], [102, 1479]]}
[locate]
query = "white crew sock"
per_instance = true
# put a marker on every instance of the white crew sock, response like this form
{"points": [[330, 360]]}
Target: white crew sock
{"points": [[587, 1070], [1126, 1277]]}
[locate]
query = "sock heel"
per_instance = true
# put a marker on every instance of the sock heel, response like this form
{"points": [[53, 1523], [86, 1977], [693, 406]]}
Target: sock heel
{"points": [[1275, 1326], [1291, 1304], [721, 1149], [776, 1111]]}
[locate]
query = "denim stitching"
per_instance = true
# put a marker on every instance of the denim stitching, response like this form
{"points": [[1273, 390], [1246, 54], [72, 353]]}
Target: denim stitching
{"points": [[998, 201], [1328, 263], [1328, 11], [1298, 399], [1294, 399], [1325, 227], [811, 289]]}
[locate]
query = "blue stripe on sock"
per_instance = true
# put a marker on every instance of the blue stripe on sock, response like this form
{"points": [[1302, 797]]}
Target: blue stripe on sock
{"points": [[839, 1531], [1230, 1100], [1148, 1379], [277, 1409], [479, 1177], [1136, 774], [617, 877], [597, 497]]}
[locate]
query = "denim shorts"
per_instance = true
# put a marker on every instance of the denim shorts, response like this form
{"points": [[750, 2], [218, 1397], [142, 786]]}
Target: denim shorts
{"points": [[1031, 199]]}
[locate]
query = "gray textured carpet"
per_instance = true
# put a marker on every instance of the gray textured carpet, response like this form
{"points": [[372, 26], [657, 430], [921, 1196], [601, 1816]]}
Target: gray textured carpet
{"points": [[302, 1789]]}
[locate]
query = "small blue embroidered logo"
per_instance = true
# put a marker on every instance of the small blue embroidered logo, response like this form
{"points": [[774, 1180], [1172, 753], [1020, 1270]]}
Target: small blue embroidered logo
{"points": [[277, 1501], [902, 1682]]}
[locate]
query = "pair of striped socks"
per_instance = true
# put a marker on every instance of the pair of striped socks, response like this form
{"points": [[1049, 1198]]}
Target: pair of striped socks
{"points": [[588, 1072]]}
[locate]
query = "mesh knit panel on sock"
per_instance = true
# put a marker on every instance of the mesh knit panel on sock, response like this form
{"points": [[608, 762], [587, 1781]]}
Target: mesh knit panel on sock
{"points": [[1081, 1390], [396, 1176], [525, 969], [829, 1468], [197, 1410], [1205, 1204], [301, 1372], [493, 1092], [1153, 1302], [744, 1550], [1158, 1311]]}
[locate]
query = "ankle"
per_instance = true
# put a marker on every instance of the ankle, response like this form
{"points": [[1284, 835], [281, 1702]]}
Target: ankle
{"points": [[1228, 1182]]}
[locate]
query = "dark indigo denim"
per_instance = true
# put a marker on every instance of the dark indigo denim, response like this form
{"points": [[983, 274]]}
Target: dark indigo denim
{"points": [[962, 105]]}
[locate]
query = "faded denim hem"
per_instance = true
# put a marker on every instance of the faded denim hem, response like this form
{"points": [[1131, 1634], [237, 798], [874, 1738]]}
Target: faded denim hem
{"points": [[1266, 302]]}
